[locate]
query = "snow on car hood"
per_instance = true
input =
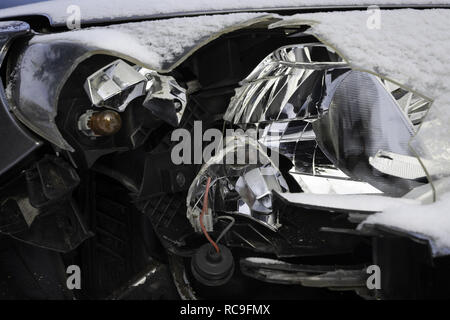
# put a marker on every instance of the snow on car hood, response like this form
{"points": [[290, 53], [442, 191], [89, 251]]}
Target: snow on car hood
{"points": [[430, 222], [157, 44], [92, 11], [410, 47]]}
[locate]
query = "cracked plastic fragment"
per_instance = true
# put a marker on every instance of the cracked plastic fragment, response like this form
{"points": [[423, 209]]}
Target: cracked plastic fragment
{"points": [[397, 165], [166, 99]]}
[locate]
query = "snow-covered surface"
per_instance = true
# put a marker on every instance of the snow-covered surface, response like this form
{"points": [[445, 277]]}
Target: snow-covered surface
{"points": [[352, 203], [431, 221], [156, 43], [119, 9]]}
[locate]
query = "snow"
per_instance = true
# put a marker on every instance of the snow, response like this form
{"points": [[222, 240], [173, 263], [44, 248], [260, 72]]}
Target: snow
{"points": [[154, 43], [429, 221], [114, 9]]}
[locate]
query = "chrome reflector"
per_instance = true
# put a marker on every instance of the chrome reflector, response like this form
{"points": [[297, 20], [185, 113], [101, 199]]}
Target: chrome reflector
{"points": [[242, 189], [287, 84], [115, 85], [328, 119]]}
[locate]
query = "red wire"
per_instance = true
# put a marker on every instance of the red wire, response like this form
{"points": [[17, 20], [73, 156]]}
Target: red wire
{"points": [[204, 209]]}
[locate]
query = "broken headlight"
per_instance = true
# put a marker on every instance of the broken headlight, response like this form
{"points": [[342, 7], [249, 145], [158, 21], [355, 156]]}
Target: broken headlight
{"points": [[332, 122], [329, 119]]}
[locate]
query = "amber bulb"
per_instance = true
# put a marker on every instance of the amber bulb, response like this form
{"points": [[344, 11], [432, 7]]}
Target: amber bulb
{"points": [[105, 123]]}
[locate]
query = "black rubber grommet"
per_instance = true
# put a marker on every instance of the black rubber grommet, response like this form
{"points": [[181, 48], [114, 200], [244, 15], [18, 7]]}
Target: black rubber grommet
{"points": [[211, 268]]}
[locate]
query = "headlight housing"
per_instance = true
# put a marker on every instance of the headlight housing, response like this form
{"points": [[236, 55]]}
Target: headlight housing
{"points": [[310, 107]]}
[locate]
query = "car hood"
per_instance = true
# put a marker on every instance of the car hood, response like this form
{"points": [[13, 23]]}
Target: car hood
{"points": [[117, 10]]}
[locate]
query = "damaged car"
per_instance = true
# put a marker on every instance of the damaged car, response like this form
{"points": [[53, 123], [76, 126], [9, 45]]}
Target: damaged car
{"points": [[261, 150]]}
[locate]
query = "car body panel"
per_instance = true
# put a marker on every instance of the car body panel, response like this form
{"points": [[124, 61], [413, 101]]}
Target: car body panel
{"points": [[58, 12], [16, 142]]}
